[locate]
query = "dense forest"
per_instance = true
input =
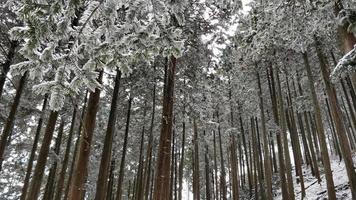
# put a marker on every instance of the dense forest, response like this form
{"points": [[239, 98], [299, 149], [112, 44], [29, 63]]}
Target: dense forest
{"points": [[177, 99]]}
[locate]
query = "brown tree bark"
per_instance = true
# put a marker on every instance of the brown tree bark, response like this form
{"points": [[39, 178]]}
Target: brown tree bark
{"points": [[102, 182], [11, 118], [38, 173], [267, 156], [76, 147], [33, 151], [49, 190], [337, 115], [77, 185], [62, 173], [321, 133], [162, 180], [123, 155], [196, 166]]}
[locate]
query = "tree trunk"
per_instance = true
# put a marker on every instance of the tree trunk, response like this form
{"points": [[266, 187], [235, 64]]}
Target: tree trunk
{"points": [[223, 188], [274, 100], [102, 182], [267, 156], [123, 155], [207, 172], [284, 139], [33, 151], [196, 167], [76, 146], [77, 185], [162, 180], [37, 177], [321, 133], [63, 171], [11, 118], [49, 190], [337, 115]]}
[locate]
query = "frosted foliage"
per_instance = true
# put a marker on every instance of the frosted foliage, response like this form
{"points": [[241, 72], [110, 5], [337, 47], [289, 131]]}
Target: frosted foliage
{"points": [[80, 40]]}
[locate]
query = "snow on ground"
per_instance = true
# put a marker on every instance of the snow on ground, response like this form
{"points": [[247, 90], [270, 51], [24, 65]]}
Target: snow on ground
{"points": [[316, 191]]}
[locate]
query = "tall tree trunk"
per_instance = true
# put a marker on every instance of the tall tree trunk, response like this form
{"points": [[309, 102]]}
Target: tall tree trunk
{"points": [[223, 187], [246, 154], [63, 171], [284, 139], [110, 187], [207, 172], [77, 185], [140, 181], [49, 190], [37, 177], [337, 115], [11, 118], [123, 155], [267, 156], [274, 100], [217, 195], [6, 65], [196, 167], [162, 180], [148, 161], [33, 151], [181, 163], [321, 132], [234, 168], [76, 147], [102, 182]]}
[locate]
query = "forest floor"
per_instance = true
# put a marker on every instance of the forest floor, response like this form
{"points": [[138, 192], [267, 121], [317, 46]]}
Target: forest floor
{"points": [[316, 191]]}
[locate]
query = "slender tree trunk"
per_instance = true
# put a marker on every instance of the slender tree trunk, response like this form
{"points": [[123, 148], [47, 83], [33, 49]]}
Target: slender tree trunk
{"points": [[207, 172], [6, 132], [285, 193], [49, 190], [321, 133], [110, 187], [285, 140], [196, 170], [63, 171], [267, 156], [223, 188], [76, 146], [162, 181], [77, 185], [102, 182], [123, 155], [6, 65], [37, 177], [33, 151], [337, 115], [139, 183], [181, 163], [148, 162], [215, 169]]}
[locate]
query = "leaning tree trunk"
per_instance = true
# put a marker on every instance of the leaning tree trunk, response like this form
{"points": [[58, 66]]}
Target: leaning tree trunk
{"points": [[77, 185], [162, 180], [123, 156], [33, 152], [49, 190], [321, 132], [102, 182], [37, 177], [63, 171], [337, 116], [11, 118], [6, 65]]}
